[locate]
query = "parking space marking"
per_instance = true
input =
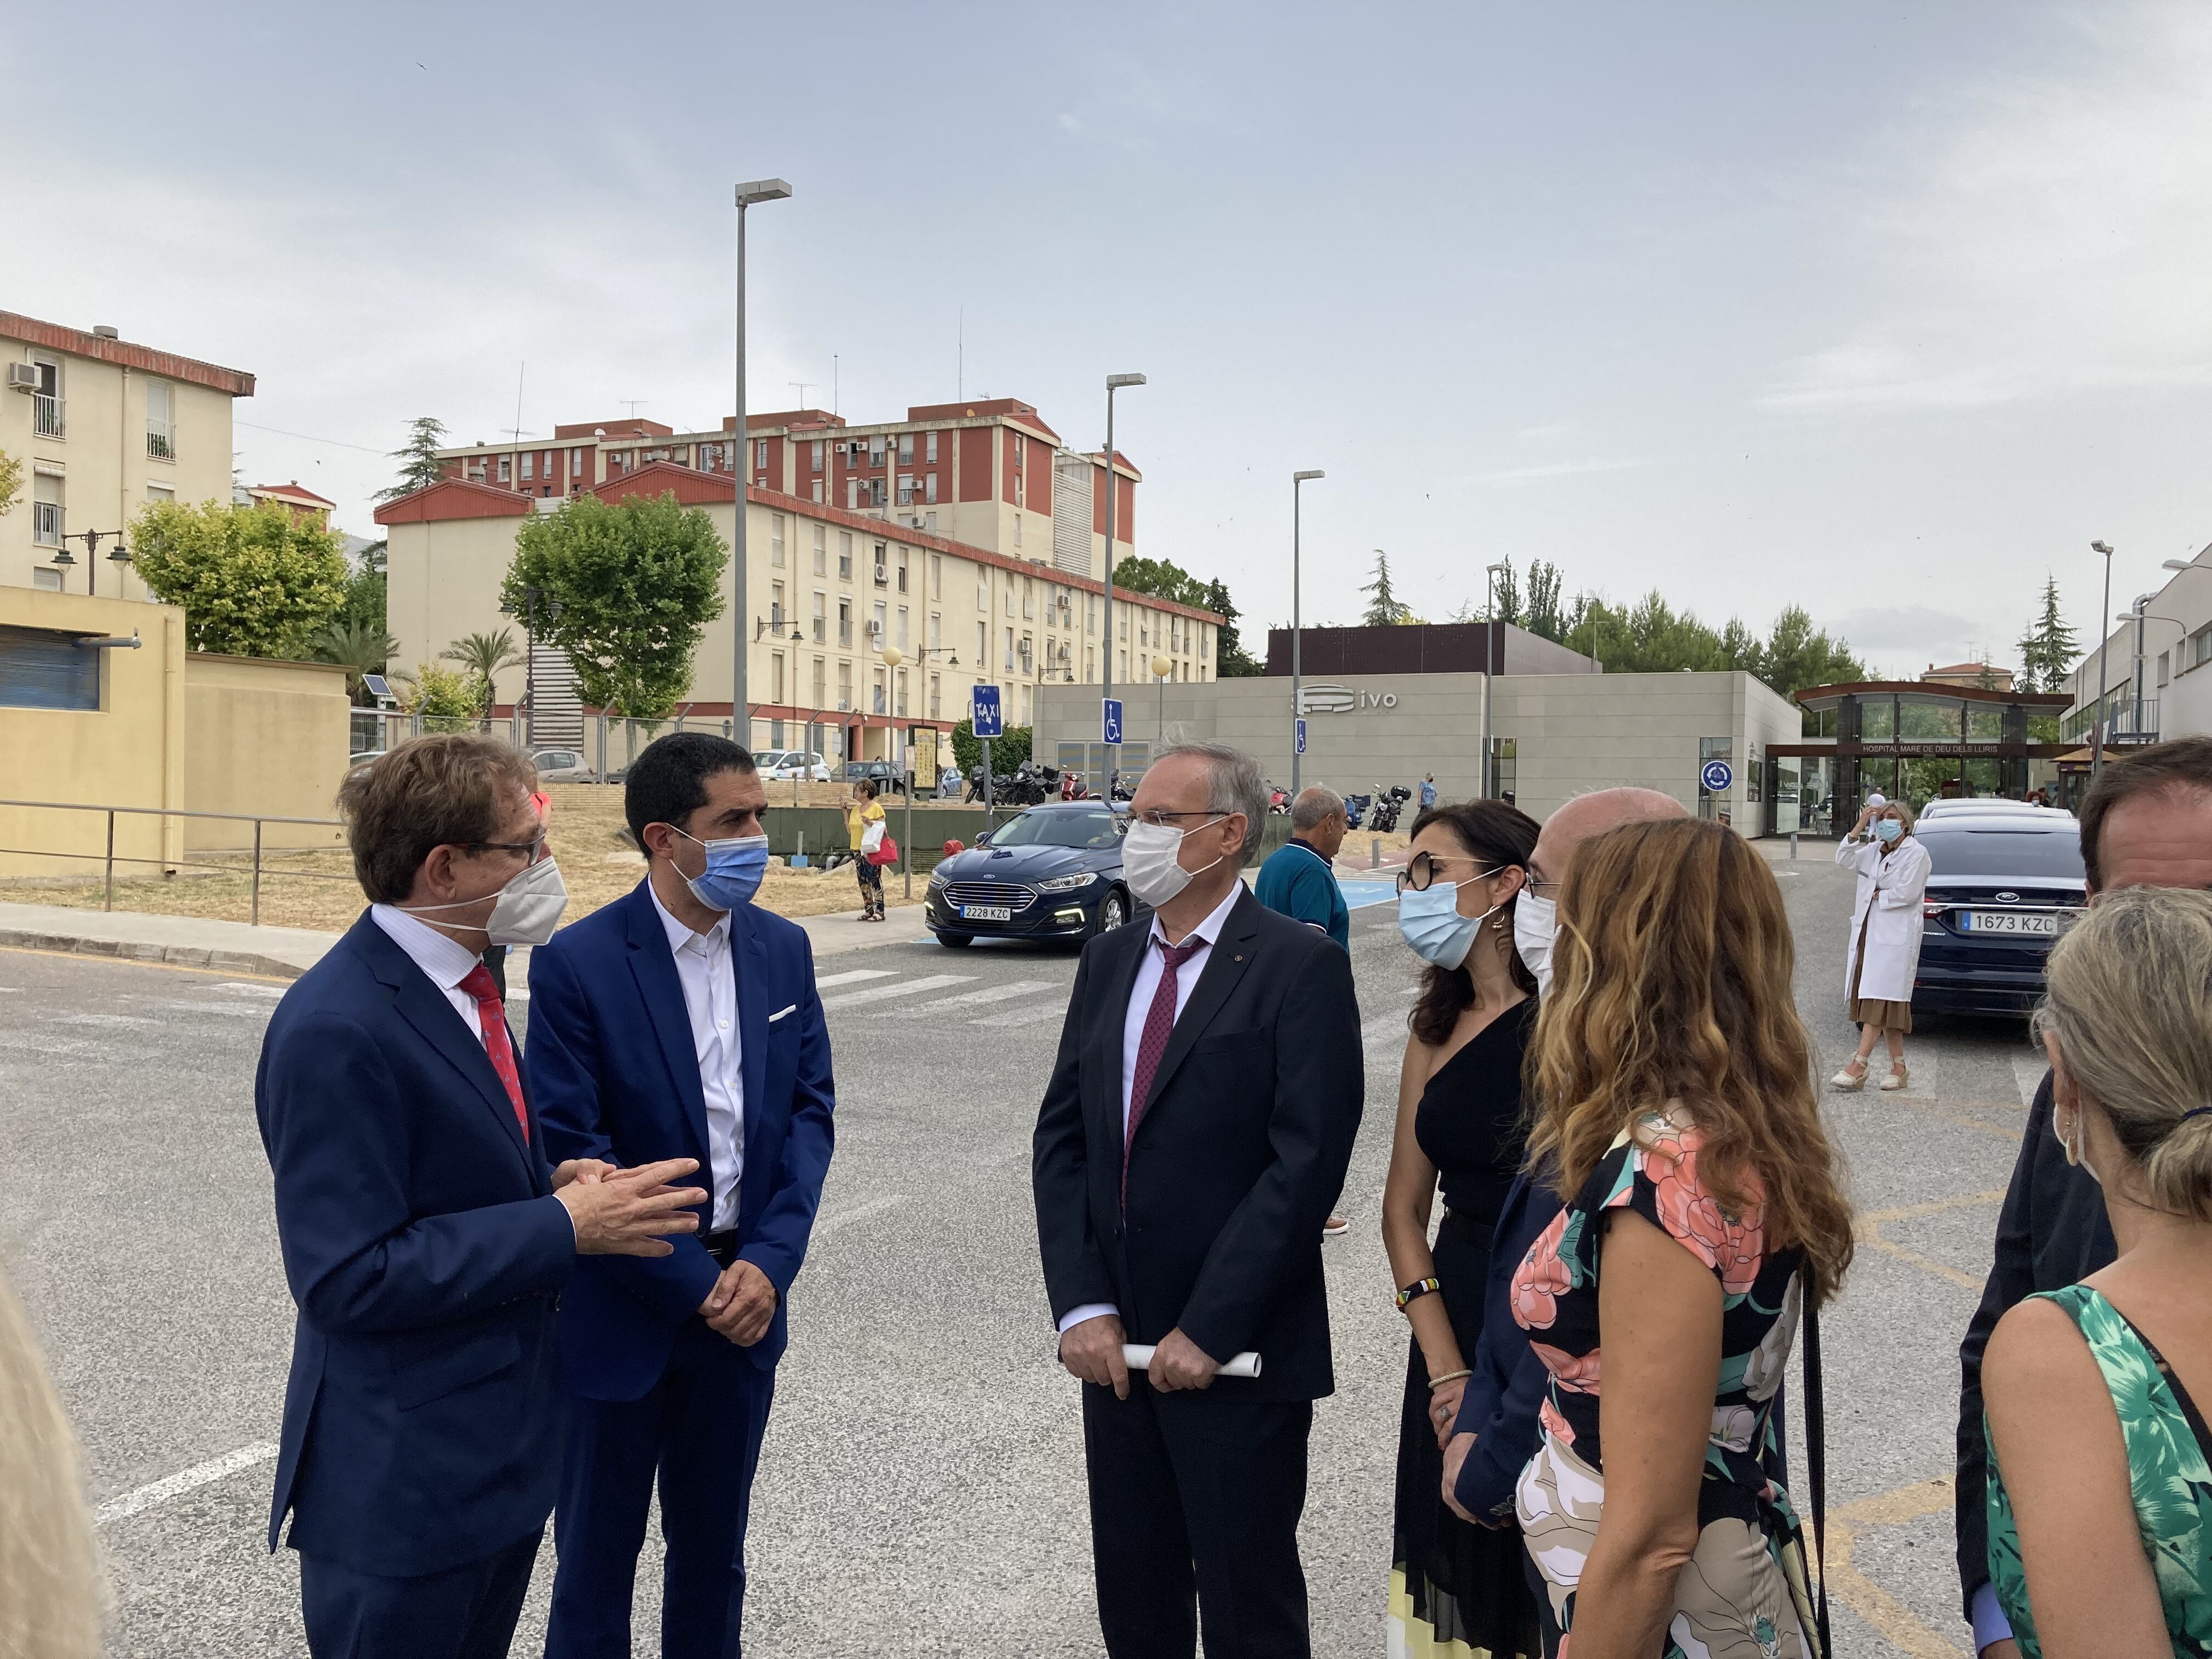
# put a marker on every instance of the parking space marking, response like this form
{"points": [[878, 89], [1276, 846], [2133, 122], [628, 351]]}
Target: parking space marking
{"points": [[184, 1480], [905, 988], [1867, 1229], [1982, 1125], [1890, 1618], [989, 994]]}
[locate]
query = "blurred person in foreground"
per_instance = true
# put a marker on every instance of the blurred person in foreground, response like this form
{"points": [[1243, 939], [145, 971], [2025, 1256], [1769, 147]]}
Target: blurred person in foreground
{"points": [[1455, 1586], [1884, 953], [2099, 1472], [425, 1237], [680, 1022], [1675, 1099], [1496, 1431], [2145, 821], [51, 1588], [1199, 1120]]}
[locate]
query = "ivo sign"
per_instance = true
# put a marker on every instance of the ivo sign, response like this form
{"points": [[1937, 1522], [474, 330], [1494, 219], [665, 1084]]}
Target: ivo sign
{"points": [[1342, 700]]}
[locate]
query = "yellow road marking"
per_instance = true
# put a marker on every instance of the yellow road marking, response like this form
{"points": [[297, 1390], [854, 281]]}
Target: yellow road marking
{"points": [[1895, 1621], [1867, 1229], [1987, 1128]]}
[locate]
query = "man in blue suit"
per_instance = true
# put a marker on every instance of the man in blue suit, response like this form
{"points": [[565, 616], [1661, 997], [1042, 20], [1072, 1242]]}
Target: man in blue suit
{"points": [[680, 1022], [425, 1239]]}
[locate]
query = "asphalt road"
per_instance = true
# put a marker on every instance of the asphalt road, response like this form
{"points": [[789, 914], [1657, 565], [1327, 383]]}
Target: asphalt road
{"points": [[921, 1489]]}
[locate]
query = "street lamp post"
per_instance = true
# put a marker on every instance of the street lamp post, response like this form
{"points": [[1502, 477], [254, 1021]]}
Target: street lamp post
{"points": [[1298, 706], [741, 725], [1162, 667], [63, 559], [1489, 662], [1114, 384], [2097, 726]]}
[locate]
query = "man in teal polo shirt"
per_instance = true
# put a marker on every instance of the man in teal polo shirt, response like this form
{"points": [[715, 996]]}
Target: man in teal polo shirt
{"points": [[1299, 877]]}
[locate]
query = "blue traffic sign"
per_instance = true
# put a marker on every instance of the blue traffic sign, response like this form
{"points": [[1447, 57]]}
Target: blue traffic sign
{"points": [[990, 716], [1716, 777], [1299, 744], [1109, 720]]}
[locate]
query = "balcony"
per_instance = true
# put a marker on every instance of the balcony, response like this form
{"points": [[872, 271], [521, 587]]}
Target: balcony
{"points": [[46, 412], [161, 443]]}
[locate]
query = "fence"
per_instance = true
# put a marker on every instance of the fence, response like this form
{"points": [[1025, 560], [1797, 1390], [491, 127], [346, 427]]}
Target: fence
{"points": [[111, 858]]}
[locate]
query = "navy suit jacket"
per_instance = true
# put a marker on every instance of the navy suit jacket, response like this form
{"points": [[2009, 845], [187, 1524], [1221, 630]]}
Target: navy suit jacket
{"points": [[613, 1071], [1500, 1403], [426, 1252]]}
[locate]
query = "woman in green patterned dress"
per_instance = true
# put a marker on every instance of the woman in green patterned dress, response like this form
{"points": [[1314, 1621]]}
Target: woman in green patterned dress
{"points": [[2100, 1465]]}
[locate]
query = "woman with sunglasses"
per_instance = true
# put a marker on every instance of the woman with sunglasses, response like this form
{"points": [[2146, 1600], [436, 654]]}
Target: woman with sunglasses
{"points": [[1456, 1587]]}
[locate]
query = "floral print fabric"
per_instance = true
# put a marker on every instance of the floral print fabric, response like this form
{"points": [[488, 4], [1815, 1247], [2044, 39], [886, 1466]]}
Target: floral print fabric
{"points": [[1744, 1595], [2167, 1475]]}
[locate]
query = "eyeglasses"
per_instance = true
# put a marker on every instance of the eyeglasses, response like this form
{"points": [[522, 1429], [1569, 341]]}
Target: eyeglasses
{"points": [[1417, 875], [1158, 816], [534, 848]]}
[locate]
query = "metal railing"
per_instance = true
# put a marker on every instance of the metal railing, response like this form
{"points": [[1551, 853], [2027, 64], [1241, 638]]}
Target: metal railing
{"points": [[161, 443], [111, 858], [46, 411]]}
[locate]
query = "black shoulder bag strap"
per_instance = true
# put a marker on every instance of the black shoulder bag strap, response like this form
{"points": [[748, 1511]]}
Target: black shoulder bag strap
{"points": [[1816, 1467]]}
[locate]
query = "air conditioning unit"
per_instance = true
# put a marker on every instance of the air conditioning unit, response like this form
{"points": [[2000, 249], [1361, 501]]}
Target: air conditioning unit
{"points": [[22, 377]]}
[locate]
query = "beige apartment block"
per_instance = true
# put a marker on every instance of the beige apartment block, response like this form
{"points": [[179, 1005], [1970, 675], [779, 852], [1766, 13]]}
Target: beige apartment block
{"points": [[832, 596], [102, 426]]}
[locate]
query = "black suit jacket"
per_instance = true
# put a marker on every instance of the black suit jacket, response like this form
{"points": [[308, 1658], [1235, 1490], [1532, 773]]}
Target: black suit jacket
{"points": [[1236, 1161], [2053, 1232]]}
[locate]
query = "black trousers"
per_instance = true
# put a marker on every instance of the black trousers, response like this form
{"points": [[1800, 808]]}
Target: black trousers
{"points": [[1197, 1495], [467, 1612]]}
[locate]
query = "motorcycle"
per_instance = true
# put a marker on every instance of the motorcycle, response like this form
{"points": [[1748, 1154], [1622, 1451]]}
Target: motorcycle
{"points": [[1389, 803], [1278, 800], [1355, 807]]}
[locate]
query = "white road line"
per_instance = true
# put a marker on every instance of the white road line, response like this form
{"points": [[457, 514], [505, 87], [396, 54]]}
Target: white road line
{"points": [[842, 1218], [121, 1021], [852, 976], [227, 1009], [239, 988], [1016, 987], [184, 1480], [907, 988]]}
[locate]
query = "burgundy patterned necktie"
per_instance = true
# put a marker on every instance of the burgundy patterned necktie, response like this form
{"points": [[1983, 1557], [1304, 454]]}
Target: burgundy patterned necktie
{"points": [[1159, 1026]]}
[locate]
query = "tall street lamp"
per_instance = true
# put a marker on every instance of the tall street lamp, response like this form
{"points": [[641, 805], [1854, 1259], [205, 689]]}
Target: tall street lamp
{"points": [[1114, 384], [2097, 727], [1162, 667], [1489, 660], [92, 538], [741, 725], [1298, 707]]}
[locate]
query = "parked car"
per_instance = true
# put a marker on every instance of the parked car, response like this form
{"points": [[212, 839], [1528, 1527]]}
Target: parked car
{"points": [[561, 766], [1981, 803], [802, 764], [2001, 887], [1054, 872], [885, 776]]}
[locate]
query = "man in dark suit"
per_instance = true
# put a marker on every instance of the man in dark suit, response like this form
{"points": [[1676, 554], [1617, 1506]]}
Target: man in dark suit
{"points": [[1198, 1124], [2145, 821], [680, 1022], [425, 1239]]}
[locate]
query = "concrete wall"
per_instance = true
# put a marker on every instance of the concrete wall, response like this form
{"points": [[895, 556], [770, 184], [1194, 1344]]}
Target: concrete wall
{"points": [[263, 737], [130, 752]]}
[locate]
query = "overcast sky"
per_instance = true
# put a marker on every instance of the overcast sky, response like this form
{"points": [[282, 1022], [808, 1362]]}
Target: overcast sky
{"points": [[1884, 310]]}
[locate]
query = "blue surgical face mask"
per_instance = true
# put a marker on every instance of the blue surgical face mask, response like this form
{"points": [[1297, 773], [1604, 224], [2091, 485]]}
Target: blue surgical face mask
{"points": [[1888, 829], [1430, 922], [734, 868]]}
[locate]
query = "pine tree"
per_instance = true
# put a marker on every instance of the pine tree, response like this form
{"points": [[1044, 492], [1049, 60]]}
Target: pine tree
{"points": [[1386, 609], [419, 465], [2048, 650]]}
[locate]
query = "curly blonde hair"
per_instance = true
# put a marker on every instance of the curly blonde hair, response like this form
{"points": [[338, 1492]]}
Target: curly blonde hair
{"points": [[50, 1595], [1671, 981]]}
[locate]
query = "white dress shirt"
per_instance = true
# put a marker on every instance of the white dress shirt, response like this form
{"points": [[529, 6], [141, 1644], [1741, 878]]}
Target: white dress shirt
{"points": [[1141, 992], [444, 960], [710, 998]]}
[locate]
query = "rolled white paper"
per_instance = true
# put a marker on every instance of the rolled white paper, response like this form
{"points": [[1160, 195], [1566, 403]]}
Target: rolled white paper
{"points": [[1138, 1357]]}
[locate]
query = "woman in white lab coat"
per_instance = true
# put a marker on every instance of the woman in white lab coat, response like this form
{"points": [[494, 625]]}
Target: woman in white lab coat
{"points": [[1885, 947]]}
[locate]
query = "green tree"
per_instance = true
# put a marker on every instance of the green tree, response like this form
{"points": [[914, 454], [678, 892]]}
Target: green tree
{"points": [[365, 594], [2048, 650], [485, 656], [419, 465], [254, 581], [1007, 751], [11, 482], [1541, 616], [1231, 661], [358, 647], [447, 699], [1505, 596], [636, 582], [1798, 655], [1386, 609], [1158, 579]]}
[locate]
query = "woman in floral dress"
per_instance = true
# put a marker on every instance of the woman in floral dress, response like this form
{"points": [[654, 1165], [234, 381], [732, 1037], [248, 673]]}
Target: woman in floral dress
{"points": [[2099, 1493], [1675, 1089]]}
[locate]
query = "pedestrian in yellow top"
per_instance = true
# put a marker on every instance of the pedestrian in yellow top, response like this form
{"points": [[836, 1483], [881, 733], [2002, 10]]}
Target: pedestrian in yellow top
{"points": [[864, 823]]}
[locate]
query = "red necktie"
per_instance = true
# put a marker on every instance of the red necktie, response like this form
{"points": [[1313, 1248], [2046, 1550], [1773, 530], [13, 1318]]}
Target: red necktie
{"points": [[1159, 1026], [492, 1013]]}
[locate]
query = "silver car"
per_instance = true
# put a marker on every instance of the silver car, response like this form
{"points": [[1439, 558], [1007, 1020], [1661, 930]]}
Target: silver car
{"points": [[803, 765]]}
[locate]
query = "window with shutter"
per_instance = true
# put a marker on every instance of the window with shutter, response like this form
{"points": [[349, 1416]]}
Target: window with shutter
{"points": [[42, 668]]}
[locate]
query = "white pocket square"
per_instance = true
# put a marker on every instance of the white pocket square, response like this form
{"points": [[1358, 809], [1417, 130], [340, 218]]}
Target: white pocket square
{"points": [[781, 1012]]}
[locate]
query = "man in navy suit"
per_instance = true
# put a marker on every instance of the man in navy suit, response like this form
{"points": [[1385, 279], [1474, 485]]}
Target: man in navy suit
{"points": [[425, 1239], [680, 1022]]}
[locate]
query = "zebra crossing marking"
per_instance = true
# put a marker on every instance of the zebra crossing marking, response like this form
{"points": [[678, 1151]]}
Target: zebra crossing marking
{"points": [[989, 994], [852, 976], [907, 988]]}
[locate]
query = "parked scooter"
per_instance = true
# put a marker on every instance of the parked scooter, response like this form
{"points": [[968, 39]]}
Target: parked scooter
{"points": [[1278, 798], [1355, 807]]}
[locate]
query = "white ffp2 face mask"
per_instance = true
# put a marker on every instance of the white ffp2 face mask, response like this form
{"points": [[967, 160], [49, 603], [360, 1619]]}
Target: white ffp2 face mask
{"points": [[1150, 856], [1535, 926], [526, 912]]}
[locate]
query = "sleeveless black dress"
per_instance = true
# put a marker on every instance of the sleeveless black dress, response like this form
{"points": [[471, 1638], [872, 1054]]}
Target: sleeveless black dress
{"points": [[1457, 1589]]}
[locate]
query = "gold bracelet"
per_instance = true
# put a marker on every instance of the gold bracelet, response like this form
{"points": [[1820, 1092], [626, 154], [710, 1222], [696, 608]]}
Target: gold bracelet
{"points": [[1436, 1382]]}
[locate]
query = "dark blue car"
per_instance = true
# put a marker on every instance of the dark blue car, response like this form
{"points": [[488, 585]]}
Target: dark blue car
{"points": [[1053, 872], [2001, 889]]}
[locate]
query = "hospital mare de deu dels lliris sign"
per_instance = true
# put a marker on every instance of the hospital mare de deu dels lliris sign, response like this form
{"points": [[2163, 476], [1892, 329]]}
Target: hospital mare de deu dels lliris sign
{"points": [[1342, 700]]}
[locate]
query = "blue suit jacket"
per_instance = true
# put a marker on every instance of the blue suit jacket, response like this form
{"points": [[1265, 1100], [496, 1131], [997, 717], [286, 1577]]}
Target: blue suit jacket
{"points": [[423, 1246], [613, 1071], [1501, 1401]]}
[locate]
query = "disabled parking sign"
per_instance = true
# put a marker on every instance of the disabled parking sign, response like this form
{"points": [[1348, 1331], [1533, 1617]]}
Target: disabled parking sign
{"points": [[1716, 777], [1109, 720]]}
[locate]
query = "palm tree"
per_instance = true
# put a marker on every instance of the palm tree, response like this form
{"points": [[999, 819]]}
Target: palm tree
{"points": [[485, 655], [358, 647]]}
